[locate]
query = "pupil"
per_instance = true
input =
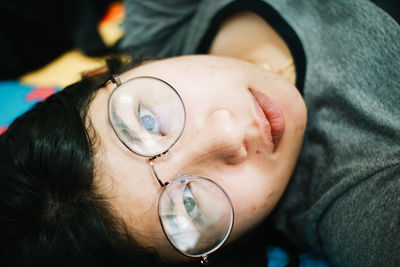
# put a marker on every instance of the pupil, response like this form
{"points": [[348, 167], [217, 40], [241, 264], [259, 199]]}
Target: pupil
{"points": [[189, 204], [147, 122]]}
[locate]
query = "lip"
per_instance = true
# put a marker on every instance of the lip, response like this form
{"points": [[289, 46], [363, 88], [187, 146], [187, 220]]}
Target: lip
{"points": [[271, 118]]}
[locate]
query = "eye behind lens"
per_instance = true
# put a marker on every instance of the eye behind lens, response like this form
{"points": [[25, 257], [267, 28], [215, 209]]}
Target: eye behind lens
{"points": [[196, 215], [152, 112]]}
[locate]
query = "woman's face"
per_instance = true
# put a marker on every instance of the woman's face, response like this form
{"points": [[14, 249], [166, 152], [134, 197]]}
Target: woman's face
{"points": [[244, 129]]}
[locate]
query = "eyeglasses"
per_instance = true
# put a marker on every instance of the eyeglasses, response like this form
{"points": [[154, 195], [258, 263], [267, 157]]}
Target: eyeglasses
{"points": [[148, 116]]}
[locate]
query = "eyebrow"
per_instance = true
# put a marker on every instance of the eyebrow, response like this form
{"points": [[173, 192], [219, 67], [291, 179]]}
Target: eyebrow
{"points": [[120, 122]]}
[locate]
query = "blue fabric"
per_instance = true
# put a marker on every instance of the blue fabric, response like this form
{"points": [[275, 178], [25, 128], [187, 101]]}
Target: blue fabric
{"points": [[279, 258], [16, 98]]}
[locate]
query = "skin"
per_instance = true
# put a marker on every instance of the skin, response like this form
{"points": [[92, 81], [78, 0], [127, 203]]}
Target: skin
{"points": [[224, 139], [261, 45]]}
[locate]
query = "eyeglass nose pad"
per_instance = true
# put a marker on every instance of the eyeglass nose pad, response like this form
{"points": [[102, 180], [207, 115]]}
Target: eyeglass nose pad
{"points": [[166, 155], [180, 175]]}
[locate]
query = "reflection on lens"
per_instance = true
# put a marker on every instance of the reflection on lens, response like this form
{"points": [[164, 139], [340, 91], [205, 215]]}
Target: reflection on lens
{"points": [[147, 114], [196, 215]]}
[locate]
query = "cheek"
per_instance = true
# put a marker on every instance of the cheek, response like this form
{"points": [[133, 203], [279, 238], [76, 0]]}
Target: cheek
{"points": [[138, 208], [254, 193]]}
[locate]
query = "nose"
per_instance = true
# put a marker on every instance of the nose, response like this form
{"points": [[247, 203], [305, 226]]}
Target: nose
{"points": [[220, 138]]}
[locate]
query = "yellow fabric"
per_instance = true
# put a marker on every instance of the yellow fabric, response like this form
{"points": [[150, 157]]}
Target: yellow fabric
{"points": [[63, 71]]}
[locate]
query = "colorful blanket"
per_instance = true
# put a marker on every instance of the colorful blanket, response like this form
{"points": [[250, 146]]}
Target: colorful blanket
{"points": [[17, 97]]}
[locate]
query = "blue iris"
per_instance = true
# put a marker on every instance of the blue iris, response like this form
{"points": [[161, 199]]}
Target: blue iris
{"points": [[148, 122]]}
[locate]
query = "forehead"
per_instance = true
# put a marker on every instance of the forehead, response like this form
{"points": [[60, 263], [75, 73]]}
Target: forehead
{"points": [[186, 68]]}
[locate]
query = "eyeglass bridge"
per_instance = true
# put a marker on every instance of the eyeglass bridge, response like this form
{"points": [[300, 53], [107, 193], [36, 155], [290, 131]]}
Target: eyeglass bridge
{"points": [[153, 168]]}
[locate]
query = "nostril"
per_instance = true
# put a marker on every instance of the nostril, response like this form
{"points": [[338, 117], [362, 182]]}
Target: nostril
{"points": [[236, 155]]}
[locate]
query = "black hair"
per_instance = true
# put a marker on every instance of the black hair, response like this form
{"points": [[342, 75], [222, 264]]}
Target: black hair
{"points": [[50, 211]]}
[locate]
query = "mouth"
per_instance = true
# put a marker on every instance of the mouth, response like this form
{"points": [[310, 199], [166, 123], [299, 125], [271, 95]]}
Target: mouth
{"points": [[271, 118]]}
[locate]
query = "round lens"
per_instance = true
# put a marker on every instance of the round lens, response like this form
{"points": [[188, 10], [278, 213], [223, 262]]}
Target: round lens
{"points": [[196, 215], [147, 114]]}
